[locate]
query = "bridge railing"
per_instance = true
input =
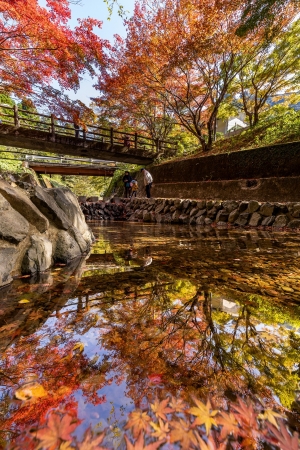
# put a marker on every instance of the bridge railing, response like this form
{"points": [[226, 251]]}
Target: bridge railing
{"points": [[55, 126]]}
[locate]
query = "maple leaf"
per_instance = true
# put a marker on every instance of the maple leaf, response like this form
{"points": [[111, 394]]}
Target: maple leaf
{"points": [[66, 446], [161, 430], [177, 405], [90, 442], [204, 415], [160, 409], [57, 429], [210, 445], [286, 441], [229, 425], [138, 421], [182, 433], [270, 415], [139, 444], [246, 415]]}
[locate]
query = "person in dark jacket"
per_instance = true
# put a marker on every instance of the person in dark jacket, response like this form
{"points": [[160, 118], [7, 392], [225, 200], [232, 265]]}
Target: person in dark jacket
{"points": [[127, 180]]}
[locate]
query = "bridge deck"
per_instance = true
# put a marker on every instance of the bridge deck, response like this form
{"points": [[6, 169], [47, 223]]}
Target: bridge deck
{"points": [[72, 169], [68, 145], [47, 133]]}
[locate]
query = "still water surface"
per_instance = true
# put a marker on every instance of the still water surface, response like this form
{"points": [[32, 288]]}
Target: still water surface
{"points": [[156, 310]]}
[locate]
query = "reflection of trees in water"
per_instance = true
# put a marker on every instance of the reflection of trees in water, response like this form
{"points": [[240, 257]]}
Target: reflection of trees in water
{"points": [[196, 348]]}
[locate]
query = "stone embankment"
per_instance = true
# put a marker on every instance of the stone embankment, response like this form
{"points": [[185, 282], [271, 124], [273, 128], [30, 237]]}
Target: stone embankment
{"points": [[197, 212], [38, 227]]}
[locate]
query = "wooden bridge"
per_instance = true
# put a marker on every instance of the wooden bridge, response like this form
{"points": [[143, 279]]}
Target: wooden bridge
{"points": [[47, 133]]}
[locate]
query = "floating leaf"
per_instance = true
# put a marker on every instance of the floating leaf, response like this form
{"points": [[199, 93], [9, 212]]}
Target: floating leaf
{"points": [[229, 425], [161, 430], [57, 429], [29, 391], [160, 409], [90, 442], [182, 433], [204, 415], [138, 421], [270, 415], [139, 444]]}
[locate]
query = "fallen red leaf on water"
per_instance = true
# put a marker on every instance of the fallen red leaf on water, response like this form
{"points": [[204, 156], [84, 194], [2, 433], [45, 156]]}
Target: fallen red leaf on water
{"points": [[156, 378]]}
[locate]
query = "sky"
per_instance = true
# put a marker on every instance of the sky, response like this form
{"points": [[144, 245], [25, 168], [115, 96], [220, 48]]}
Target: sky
{"points": [[96, 9]]}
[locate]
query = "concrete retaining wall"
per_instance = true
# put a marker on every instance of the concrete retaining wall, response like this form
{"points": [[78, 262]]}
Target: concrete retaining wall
{"points": [[262, 174]]}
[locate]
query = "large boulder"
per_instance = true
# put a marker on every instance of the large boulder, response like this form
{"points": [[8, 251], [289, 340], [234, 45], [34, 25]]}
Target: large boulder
{"points": [[21, 203], [38, 257], [48, 206], [13, 227], [67, 247], [8, 257], [68, 203]]}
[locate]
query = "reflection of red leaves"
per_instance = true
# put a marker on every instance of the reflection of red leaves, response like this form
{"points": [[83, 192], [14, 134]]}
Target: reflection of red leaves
{"points": [[139, 444], [155, 378], [283, 438], [57, 429]]}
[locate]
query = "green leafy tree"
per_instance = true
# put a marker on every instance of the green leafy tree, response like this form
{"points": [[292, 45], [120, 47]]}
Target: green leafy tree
{"points": [[271, 74]]}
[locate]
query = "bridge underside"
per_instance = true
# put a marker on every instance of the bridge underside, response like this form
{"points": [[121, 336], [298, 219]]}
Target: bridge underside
{"points": [[67, 145], [58, 169]]}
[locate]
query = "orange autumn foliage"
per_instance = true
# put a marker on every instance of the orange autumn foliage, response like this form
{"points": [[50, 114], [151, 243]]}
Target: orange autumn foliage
{"points": [[37, 47]]}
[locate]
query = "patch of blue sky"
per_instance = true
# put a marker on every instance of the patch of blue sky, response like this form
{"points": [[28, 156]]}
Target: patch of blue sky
{"points": [[110, 26]]}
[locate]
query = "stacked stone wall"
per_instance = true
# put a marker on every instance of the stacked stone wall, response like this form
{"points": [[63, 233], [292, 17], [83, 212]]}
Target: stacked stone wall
{"points": [[228, 213]]}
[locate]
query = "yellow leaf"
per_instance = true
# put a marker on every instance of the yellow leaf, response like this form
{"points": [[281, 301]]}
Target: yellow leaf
{"points": [[66, 446], [24, 300], [270, 416], [204, 415], [30, 390], [78, 346], [161, 430]]}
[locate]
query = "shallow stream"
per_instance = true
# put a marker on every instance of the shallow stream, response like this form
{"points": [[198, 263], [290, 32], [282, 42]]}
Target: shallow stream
{"points": [[155, 311]]}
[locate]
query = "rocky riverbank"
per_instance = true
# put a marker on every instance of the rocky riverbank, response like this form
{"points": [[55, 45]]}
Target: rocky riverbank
{"points": [[38, 227], [197, 212]]}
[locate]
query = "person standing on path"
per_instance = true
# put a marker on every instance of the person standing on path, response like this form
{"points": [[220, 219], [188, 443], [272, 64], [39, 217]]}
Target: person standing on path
{"points": [[148, 180], [127, 180]]}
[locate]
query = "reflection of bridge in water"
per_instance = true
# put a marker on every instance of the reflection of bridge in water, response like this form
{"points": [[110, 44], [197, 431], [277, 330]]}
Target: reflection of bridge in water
{"points": [[47, 133]]}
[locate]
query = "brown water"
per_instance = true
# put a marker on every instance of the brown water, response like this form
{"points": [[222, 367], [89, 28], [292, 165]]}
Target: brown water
{"points": [[155, 310]]}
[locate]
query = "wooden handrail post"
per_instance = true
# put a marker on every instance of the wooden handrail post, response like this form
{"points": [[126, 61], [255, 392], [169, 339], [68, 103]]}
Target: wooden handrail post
{"points": [[52, 128], [135, 140], [16, 116], [112, 136]]}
